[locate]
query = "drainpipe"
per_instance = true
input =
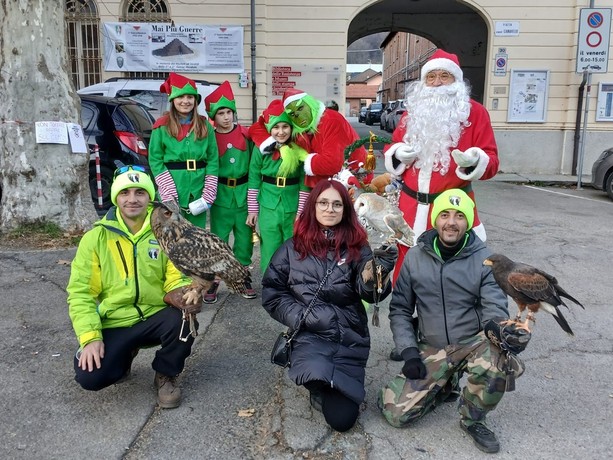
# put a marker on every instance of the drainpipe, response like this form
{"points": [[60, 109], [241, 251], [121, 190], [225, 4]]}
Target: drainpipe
{"points": [[578, 122], [254, 99]]}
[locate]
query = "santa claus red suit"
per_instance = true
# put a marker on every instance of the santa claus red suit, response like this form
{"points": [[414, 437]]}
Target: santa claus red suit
{"points": [[444, 141]]}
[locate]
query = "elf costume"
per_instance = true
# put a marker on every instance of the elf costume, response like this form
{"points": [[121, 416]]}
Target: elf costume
{"points": [[184, 167], [325, 137], [229, 212], [276, 187]]}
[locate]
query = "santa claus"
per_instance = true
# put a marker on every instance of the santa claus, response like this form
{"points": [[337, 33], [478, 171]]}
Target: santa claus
{"points": [[445, 140]]}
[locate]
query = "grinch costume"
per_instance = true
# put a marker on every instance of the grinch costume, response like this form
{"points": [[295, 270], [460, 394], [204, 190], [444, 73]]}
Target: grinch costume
{"points": [[185, 166], [276, 187], [324, 134], [475, 157], [229, 211]]}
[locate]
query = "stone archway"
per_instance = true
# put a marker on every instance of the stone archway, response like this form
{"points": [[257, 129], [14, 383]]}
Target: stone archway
{"points": [[451, 25]]}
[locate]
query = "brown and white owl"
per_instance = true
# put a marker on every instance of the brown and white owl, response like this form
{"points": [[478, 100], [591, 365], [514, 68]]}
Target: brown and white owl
{"points": [[377, 214], [196, 252]]}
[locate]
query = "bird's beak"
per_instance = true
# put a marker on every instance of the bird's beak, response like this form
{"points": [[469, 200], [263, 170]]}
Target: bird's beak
{"points": [[487, 262]]}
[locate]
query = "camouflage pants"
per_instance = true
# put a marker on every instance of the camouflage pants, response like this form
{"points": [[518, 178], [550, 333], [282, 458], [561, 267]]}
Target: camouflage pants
{"points": [[403, 400]]}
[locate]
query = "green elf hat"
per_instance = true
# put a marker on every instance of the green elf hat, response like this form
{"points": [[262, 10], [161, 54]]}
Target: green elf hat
{"points": [[275, 113], [457, 199], [177, 85], [221, 98]]}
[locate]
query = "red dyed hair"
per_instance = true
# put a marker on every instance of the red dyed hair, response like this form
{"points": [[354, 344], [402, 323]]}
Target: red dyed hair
{"points": [[309, 239]]}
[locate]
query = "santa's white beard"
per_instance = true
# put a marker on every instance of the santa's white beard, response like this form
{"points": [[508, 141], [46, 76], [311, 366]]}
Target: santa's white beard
{"points": [[437, 116]]}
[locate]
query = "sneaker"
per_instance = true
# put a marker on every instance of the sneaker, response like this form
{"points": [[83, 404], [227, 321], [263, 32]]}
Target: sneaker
{"points": [[483, 437], [126, 376], [210, 296], [169, 393], [395, 356], [249, 291]]}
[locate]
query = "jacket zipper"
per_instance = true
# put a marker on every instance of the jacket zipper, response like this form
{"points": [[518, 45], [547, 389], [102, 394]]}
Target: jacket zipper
{"points": [[444, 305], [125, 267]]}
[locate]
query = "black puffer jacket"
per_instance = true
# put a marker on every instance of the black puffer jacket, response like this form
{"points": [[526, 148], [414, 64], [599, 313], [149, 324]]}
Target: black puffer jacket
{"points": [[334, 344]]}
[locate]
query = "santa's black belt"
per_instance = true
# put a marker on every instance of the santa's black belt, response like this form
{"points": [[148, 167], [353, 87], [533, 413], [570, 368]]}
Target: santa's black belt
{"points": [[189, 165], [280, 181], [428, 198], [231, 182]]}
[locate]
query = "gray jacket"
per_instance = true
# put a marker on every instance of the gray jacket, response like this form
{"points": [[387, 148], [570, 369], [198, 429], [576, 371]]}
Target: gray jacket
{"points": [[453, 299]]}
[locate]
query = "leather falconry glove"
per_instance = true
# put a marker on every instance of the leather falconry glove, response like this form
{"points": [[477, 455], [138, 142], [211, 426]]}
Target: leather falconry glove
{"points": [[506, 336], [175, 299]]}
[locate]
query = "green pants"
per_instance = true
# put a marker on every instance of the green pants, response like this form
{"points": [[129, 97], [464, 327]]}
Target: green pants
{"points": [[226, 220], [276, 226], [403, 400]]}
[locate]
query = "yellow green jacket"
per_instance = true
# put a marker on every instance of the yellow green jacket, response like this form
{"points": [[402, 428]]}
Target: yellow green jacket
{"points": [[118, 278]]}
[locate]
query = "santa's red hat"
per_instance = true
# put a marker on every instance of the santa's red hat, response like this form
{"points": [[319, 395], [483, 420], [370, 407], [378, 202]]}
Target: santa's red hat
{"points": [[441, 60], [291, 95]]}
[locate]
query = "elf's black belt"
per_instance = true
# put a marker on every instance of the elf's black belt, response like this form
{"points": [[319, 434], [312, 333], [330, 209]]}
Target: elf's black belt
{"points": [[280, 181], [428, 198], [189, 165], [232, 182]]}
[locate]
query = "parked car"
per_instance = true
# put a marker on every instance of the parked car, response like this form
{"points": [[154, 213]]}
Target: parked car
{"points": [[373, 113], [387, 114], [602, 172], [121, 128], [145, 91], [362, 115], [399, 112]]}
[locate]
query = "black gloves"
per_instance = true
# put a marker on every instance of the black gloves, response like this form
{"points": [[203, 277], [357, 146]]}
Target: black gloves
{"points": [[507, 337], [386, 256], [414, 367]]}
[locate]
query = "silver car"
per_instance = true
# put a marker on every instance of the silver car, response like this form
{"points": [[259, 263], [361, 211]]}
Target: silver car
{"points": [[602, 172]]}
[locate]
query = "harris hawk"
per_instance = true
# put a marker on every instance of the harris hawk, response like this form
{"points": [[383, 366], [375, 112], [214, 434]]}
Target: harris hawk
{"points": [[531, 289]]}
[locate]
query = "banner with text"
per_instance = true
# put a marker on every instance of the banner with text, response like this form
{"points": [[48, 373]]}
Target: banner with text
{"points": [[166, 47]]}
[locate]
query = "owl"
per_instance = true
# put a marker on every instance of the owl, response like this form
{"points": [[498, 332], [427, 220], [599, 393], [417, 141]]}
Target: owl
{"points": [[196, 252], [377, 214]]}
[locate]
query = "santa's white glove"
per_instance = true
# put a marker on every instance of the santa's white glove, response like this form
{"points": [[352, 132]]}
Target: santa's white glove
{"points": [[406, 154], [466, 159]]}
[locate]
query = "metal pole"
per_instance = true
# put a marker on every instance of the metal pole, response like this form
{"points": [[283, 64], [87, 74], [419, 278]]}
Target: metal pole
{"points": [[254, 99]]}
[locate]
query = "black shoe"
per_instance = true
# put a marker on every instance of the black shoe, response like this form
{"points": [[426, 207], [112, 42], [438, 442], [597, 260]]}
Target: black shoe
{"points": [[483, 437], [316, 400], [395, 356]]}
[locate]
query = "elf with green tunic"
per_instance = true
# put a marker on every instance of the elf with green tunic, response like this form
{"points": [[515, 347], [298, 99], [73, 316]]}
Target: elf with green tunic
{"points": [[183, 153], [229, 212], [276, 184]]}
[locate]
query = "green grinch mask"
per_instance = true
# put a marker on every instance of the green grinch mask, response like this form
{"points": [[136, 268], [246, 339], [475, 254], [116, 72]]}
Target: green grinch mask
{"points": [[303, 114]]}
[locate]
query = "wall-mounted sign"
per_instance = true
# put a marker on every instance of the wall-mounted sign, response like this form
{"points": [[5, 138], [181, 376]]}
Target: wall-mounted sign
{"points": [[506, 28], [323, 82], [593, 40], [604, 105], [528, 96]]}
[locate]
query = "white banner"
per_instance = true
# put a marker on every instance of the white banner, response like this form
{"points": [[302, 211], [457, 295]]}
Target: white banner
{"points": [[163, 47]]}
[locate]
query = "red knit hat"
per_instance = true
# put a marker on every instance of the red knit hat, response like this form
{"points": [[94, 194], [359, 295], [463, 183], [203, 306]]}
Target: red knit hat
{"points": [[291, 95], [275, 113], [441, 60], [177, 85], [221, 98]]}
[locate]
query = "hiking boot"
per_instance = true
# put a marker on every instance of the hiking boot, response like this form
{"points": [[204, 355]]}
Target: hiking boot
{"points": [[316, 400], [210, 296], [249, 291], [483, 437], [169, 393], [395, 356], [126, 376]]}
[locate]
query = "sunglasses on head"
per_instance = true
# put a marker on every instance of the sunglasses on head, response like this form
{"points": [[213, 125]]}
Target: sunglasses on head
{"points": [[127, 168]]}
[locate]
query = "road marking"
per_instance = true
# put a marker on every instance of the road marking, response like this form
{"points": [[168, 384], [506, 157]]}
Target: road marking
{"points": [[567, 194]]}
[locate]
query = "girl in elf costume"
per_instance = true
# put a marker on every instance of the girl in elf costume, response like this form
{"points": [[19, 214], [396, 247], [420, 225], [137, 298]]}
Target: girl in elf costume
{"points": [[229, 212], [183, 153], [276, 184]]}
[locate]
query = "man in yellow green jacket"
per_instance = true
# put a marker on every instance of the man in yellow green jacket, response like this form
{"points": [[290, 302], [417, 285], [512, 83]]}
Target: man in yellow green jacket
{"points": [[120, 288]]}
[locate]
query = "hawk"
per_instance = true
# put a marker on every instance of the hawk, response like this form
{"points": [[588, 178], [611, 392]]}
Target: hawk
{"points": [[196, 252], [530, 288]]}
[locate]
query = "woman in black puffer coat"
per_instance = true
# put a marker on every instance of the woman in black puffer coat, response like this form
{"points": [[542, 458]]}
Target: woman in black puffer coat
{"points": [[329, 353]]}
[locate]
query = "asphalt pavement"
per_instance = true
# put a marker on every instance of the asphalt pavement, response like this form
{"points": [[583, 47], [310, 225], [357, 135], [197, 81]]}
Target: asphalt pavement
{"points": [[239, 406]]}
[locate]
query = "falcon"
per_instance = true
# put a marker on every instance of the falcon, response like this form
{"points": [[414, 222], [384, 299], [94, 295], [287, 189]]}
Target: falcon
{"points": [[531, 289], [196, 252]]}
